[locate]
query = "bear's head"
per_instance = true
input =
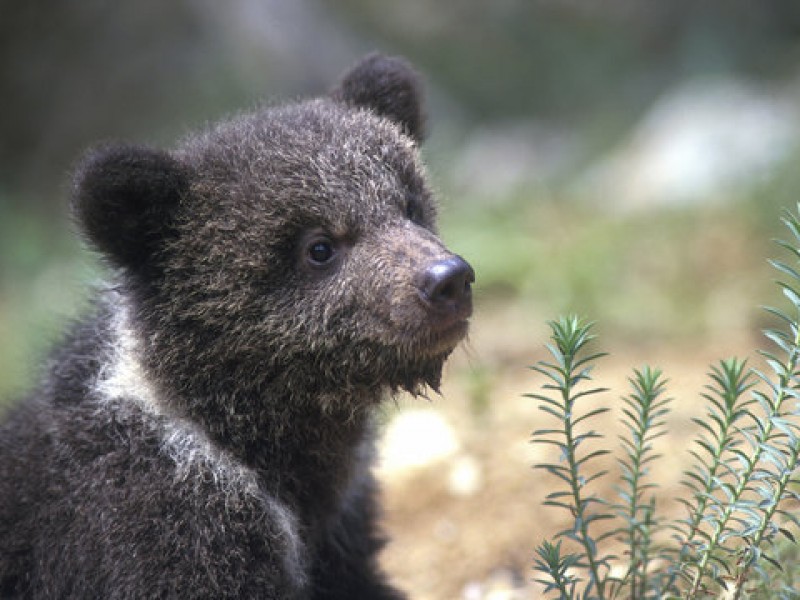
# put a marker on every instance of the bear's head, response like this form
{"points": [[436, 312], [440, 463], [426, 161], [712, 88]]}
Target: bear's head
{"points": [[295, 244]]}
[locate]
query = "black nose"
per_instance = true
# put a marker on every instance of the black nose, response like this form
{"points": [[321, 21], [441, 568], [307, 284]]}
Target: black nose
{"points": [[448, 283]]}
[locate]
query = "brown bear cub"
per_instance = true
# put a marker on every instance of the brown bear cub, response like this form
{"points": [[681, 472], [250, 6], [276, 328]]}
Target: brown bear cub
{"points": [[205, 432]]}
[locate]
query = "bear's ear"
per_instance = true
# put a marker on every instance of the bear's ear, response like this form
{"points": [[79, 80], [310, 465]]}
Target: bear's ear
{"points": [[388, 86], [124, 198]]}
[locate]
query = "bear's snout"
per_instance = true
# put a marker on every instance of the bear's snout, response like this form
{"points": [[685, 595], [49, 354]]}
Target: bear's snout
{"points": [[446, 287]]}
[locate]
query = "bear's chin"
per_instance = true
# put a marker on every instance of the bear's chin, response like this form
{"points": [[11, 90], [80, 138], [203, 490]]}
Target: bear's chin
{"points": [[420, 378]]}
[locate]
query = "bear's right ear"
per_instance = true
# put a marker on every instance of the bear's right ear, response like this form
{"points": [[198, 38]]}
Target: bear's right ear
{"points": [[388, 86], [124, 198]]}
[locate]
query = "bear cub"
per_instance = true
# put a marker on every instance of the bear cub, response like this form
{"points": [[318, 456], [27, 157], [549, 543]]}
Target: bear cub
{"points": [[206, 431]]}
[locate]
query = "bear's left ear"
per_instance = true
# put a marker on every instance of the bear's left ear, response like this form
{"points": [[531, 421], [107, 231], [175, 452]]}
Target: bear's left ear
{"points": [[389, 87], [125, 198]]}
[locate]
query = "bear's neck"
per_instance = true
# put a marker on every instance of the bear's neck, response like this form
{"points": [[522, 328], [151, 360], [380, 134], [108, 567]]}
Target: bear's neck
{"points": [[305, 442], [304, 449]]}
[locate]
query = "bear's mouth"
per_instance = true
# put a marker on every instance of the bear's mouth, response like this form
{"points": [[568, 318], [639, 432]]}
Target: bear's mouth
{"points": [[445, 337], [437, 338], [434, 331]]}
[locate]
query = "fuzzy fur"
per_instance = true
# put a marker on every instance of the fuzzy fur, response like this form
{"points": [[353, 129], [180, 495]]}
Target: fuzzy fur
{"points": [[206, 431]]}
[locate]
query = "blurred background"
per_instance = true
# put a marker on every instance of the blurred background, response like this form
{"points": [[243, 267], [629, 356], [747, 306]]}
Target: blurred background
{"points": [[624, 160]]}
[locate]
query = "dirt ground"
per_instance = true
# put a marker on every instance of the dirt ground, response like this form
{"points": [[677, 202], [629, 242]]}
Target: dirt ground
{"points": [[464, 522]]}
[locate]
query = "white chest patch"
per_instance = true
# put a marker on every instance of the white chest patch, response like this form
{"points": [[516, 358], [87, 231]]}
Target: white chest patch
{"points": [[123, 376]]}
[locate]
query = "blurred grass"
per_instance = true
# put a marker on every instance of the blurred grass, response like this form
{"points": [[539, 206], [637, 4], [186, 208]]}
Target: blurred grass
{"points": [[671, 273], [44, 281]]}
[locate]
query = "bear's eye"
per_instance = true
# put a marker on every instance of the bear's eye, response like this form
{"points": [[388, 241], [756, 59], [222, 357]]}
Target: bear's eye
{"points": [[320, 251]]}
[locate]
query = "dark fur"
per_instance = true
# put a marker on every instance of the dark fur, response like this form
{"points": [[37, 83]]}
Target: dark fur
{"points": [[205, 433]]}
